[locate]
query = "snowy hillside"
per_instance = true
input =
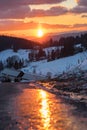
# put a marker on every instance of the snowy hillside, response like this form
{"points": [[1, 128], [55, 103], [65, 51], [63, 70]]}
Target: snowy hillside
{"points": [[43, 67], [22, 54], [58, 66]]}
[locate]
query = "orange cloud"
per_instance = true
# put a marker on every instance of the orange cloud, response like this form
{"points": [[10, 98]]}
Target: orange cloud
{"points": [[19, 25]]}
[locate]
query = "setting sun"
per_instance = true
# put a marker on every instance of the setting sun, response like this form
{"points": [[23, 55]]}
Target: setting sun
{"points": [[40, 33]]}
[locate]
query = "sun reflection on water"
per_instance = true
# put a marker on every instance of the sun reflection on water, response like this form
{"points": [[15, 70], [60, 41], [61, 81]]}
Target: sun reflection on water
{"points": [[45, 110], [35, 109]]}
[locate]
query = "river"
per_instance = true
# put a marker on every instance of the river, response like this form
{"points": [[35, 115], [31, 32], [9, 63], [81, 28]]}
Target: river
{"points": [[26, 108]]}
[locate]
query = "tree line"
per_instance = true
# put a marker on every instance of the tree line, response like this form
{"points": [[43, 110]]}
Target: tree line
{"points": [[8, 42], [65, 41], [67, 45]]}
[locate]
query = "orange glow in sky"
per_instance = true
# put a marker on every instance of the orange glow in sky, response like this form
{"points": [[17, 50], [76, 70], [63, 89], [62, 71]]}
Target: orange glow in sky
{"points": [[54, 16]]}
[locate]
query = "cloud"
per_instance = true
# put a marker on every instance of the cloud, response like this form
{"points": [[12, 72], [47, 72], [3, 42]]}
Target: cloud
{"points": [[24, 11], [63, 26], [14, 3], [82, 2], [18, 12], [9, 25], [20, 8], [20, 25], [79, 9], [55, 26], [54, 11], [84, 16], [80, 25]]}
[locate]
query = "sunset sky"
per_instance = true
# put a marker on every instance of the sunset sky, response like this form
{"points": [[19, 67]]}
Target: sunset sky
{"points": [[23, 18]]}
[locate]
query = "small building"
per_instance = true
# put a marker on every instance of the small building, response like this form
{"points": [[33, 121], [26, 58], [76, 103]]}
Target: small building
{"points": [[11, 74], [19, 76]]}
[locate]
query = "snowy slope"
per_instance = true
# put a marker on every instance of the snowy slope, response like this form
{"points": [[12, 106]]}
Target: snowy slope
{"points": [[83, 66], [43, 67], [23, 54], [58, 66]]}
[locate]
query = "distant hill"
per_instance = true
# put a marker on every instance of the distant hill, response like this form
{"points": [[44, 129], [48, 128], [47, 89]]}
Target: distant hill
{"points": [[66, 39], [7, 42], [56, 37]]}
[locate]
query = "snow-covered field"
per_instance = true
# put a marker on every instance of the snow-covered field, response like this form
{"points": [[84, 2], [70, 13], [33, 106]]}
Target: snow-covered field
{"points": [[43, 67]]}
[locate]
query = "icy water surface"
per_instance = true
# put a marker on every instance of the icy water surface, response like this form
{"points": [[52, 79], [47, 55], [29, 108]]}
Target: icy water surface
{"points": [[26, 108]]}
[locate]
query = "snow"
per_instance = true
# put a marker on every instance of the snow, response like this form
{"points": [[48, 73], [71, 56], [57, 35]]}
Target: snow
{"points": [[83, 66], [78, 45], [49, 49], [23, 54], [58, 66], [43, 67]]}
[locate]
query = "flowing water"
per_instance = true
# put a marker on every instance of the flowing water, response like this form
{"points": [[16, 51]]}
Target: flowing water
{"points": [[36, 109]]}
